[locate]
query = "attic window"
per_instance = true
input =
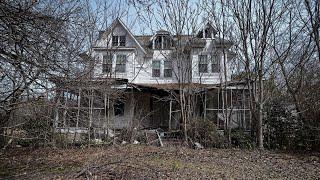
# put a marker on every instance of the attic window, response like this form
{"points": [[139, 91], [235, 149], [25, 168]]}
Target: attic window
{"points": [[162, 42], [207, 33], [118, 41]]}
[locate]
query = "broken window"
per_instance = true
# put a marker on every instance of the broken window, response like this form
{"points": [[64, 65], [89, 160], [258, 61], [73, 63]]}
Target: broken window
{"points": [[121, 63], [203, 63], [156, 68], [215, 65], [107, 63], [167, 68], [118, 108]]}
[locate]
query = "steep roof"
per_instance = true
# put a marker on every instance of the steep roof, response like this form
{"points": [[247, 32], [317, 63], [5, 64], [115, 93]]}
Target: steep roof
{"points": [[117, 21]]}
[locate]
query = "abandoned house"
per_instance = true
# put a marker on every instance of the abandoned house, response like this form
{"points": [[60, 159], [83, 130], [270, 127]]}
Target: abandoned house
{"points": [[135, 82]]}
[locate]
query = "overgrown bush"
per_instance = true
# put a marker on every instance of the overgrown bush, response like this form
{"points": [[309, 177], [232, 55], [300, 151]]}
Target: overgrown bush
{"points": [[241, 139], [206, 133]]}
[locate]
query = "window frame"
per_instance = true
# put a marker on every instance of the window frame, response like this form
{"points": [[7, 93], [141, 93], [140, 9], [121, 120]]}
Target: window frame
{"points": [[118, 41], [169, 69], [122, 39], [115, 41], [215, 63], [121, 63], [158, 69], [200, 63], [107, 63]]}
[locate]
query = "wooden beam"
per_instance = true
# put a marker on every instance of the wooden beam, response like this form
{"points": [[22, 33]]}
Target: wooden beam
{"points": [[170, 111]]}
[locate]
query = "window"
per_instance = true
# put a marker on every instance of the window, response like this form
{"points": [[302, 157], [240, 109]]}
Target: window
{"points": [[118, 41], [167, 69], [115, 40], [118, 108], [215, 65], [156, 68], [162, 42], [203, 64], [107, 63], [207, 33], [121, 63], [166, 42], [122, 41], [158, 42]]}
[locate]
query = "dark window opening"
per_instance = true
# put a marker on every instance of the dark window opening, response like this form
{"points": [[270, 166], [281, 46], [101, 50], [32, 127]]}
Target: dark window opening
{"points": [[200, 34], [162, 42], [122, 41], [155, 68], [158, 42], [118, 41], [107, 63], [203, 64], [166, 42], [207, 33], [119, 108], [115, 40]]}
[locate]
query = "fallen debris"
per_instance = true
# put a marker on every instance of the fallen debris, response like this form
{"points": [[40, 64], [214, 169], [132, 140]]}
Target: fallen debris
{"points": [[198, 145]]}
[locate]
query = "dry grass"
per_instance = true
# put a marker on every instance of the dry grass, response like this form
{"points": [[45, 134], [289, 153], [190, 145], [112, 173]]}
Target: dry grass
{"points": [[148, 162]]}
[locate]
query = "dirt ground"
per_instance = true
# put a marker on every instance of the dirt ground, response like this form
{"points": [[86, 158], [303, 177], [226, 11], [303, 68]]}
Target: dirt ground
{"points": [[148, 162]]}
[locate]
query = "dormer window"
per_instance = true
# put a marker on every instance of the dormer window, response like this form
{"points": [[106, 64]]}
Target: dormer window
{"points": [[162, 40], [207, 32], [118, 41]]}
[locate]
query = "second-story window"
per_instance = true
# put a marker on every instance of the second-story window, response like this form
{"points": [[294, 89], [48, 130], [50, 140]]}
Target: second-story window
{"points": [[155, 68], [121, 63], [215, 65], [167, 72], [107, 63], [118, 41], [203, 63]]}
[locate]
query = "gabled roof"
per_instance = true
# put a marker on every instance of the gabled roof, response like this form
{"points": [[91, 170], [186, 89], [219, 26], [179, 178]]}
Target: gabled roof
{"points": [[113, 25]]}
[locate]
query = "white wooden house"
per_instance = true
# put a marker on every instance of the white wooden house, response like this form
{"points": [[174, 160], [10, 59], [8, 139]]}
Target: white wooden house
{"points": [[149, 59]]}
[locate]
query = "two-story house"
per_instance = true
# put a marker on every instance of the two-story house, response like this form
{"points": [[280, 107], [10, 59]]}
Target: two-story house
{"points": [[155, 59]]}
